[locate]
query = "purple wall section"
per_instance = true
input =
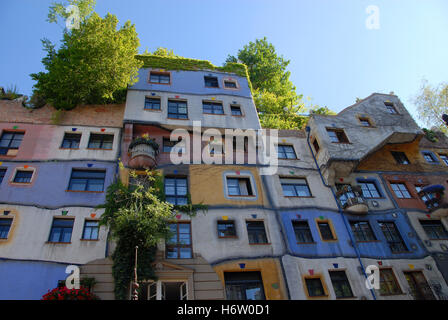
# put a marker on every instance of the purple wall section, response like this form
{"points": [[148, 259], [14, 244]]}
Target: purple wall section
{"points": [[50, 182]]}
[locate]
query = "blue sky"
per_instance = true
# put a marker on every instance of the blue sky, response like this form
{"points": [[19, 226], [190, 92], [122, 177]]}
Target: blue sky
{"points": [[334, 57]]}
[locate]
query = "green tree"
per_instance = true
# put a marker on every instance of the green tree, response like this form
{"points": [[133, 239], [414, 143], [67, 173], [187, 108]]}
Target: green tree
{"points": [[432, 103], [94, 64], [275, 96]]}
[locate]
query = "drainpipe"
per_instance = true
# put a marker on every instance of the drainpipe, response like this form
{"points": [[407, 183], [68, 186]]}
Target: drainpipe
{"points": [[308, 130]]}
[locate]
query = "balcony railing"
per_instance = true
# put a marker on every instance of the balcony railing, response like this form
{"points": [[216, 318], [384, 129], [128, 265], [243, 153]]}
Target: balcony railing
{"points": [[433, 197], [351, 199]]}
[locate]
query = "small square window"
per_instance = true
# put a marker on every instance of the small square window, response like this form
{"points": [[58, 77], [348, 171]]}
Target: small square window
{"points": [[444, 158], [236, 110], [211, 82], [326, 231], [226, 229], [5, 226], [286, 152], [256, 232], [362, 231], [337, 136], [61, 230], [23, 176], [401, 191], [91, 229], [429, 157], [230, 84], [177, 109], [101, 141], [365, 122], [239, 187], [159, 77], [390, 107], [71, 141], [10, 142], [315, 287], [400, 157], [369, 190], [302, 231], [295, 187], [152, 103]]}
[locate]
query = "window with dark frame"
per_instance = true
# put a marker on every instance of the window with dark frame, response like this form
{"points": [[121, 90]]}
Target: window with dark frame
{"points": [[314, 287], [23, 176], [365, 122], [2, 174], [400, 157], [345, 196], [176, 190], [362, 231], [302, 231], [91, 228], [230, 84], [388, 283], [286, 152], [168, 146], [101, 141], [10, 140], [226, 229], [211, 82], [87, 180], [61, 230], [244, 285], [341, 285], [159, 77], [256, 232], [369, 189], [400, 190], [71, 141], [428, 156], [390, 107], [236, 110], [152, 103], [325, 231], [179, 245], [337, 136], [177, 109], [393, 237], [212, 107], [5, 226], [444, 158], [295, 187], [434, 229], [239, 187]]}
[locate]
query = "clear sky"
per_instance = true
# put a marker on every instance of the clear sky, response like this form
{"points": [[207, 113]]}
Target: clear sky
{"points": [[334, 57]]}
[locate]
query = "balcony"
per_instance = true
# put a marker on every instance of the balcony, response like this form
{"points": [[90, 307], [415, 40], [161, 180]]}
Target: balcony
{"points": [[433, 198], [351, 199], [143, 153]]}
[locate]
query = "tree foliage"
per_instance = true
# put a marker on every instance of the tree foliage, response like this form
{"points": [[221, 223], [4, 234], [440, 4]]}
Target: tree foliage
{"points": [[94, 64], [432, 103], [275, 96]]}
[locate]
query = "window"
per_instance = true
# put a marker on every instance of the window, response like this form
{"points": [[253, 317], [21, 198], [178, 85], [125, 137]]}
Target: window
{"points": [[326, 231], [5, 225], [61, 230], [230, 84], [345, 196], [256, 232], [362, 231], [390, 107], [434, 229], [212, 107], [400, 190], [226, 229], [101, 141], [23, 176], [169, 145], [420, 289], [211, 82], [71, 141], [163, 290], [400, 157], [429, 157], [87, 180], [176, 190], [177, 109], [236, 110], [388, 283], [365, 122], [369, 189], [2, 174], [152, 103], [91, 229], [286, 152], [239, 187], [341, 285], [337, 136], [444, 158], [316, 146], [315, 287], [302, 231], [10, 141], [295, 187], [159, 77], [244, 285], [179, 245], [393, 237]]}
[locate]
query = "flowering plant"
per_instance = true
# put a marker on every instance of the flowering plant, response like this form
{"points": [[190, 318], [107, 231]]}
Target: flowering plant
{"points": [[63, 293]]}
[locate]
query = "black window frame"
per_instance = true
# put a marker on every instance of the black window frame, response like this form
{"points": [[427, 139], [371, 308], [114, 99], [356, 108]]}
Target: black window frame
{"points": [[64, 229], [158, 76], [400, 157], [341, 284], [12, 144], [5, 228], [179, 198], [226, 232], [213, 107], [71, 140], [338, 137], [283, 150], [25, 176], [236, 279], [150, 102], [2, 174], [297, 187], [211, 80], [176, 105], [103, 138], [178, 245], [444, 158], [233, 82], [256, 232], [327, 232], [393, 237], [400, 190], [87, 178], [362, 231], [247, 180], [430, 227], [390, 107], [233, 108], [91, 229], [302, 231], [310, 284], [366, 187]]}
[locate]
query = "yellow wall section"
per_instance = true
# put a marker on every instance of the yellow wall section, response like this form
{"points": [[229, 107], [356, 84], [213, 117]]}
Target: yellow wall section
{"points": [[274, 286], [207, 185]]}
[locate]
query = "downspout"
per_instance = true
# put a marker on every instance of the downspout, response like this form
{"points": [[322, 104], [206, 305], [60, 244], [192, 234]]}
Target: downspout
{"points": [[308, 129]]}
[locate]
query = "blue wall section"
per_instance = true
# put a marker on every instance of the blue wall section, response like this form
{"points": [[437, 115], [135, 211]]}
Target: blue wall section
{"points": [[376, 249], [192, 82], [50, 182], [26, 280]]}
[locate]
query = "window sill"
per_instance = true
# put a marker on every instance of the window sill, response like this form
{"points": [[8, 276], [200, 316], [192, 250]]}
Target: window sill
{"points": [[53, 242], [89, 239], [156, 110], [260, 244], [165, 84], [306, 242], [214, 114], [68, 148], [331, 240], [99, 149], [299, 196], [177, 118], [228, 237]]}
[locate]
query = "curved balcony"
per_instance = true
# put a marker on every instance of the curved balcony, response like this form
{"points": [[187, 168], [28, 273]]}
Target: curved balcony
{"points": [[433, 198], [351, 200], [143, 153]]}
